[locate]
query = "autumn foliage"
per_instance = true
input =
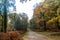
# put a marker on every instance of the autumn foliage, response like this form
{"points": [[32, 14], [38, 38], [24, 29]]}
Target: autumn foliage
{"points": [[13, 35], [47, 15]]}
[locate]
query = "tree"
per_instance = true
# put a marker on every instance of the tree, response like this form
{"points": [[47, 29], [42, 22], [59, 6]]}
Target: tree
{"points": [[21, 22], [33, 23], [48, 11], [11, 20], [22, 1], [4, 6], [18, 25], [24, 20]]}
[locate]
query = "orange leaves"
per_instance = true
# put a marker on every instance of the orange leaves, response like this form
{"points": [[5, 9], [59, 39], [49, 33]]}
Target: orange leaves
{"points": [[14, 35], [48, 14], [10, 36], [4, 36], [37, 11]]}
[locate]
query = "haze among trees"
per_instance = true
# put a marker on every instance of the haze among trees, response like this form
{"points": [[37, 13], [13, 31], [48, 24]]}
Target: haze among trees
{"points": [[18, 21], [13, 26]]}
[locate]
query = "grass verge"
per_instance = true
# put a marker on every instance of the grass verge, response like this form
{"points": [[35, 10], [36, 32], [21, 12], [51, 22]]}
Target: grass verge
{"points": [[25, 36], [52, 35]]}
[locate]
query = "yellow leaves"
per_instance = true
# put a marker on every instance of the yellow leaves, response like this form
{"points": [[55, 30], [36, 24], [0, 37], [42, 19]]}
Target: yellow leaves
{"points": [[59, 17], [51, 13], [58, 11], [50, 21], [36, 11], [53, 20], [46, 5]]}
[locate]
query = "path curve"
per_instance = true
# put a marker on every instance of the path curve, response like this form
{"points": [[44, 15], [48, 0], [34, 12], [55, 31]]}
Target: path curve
{"points": [[35, 36]]}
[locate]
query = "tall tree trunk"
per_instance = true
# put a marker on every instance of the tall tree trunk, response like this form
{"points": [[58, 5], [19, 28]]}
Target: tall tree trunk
{"points": [[5, 17]]}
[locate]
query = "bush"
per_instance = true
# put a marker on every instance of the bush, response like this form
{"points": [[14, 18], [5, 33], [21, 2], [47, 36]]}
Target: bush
{"points": [[13, 35], [4, 36]]}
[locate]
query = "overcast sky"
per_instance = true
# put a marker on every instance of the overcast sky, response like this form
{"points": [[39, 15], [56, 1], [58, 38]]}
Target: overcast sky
{"points": [[26, 7]]}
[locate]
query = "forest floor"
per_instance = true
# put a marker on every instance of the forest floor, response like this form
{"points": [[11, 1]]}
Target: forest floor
{"points": [[52, 35], [30, 35]]}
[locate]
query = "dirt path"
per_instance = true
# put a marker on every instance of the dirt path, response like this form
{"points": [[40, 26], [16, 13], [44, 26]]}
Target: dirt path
{"points": [[34, 36]]}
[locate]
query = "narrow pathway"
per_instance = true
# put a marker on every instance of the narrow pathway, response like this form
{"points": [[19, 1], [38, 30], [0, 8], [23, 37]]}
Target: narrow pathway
{"points": [[35, 36]]}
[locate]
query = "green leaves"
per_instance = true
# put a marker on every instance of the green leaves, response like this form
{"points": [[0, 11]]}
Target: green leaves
{"points": [[47, 13]]}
